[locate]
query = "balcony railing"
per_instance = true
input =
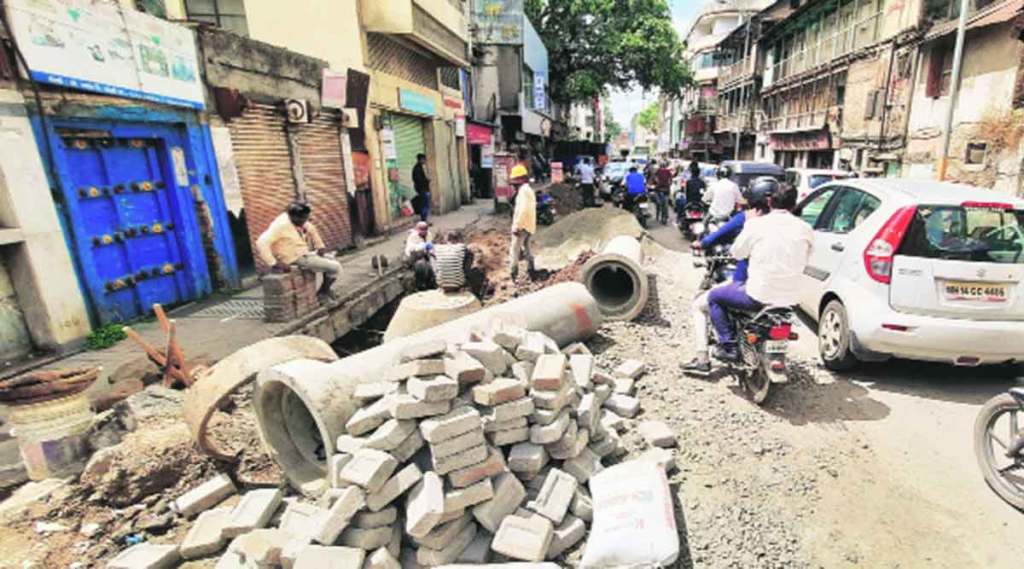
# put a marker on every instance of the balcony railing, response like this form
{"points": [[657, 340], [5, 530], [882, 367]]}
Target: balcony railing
{"points": [[808, 120], [859, 34], [742, 120], [739, 70]]}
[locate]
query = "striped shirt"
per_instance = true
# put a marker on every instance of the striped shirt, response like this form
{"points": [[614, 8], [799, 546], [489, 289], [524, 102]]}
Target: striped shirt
{"points": [[449, 266]]}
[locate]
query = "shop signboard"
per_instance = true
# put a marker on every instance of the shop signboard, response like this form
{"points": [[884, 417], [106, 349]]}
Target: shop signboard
{"points": [[503, 164], [487, 153], [498, 22], [103, 48], [415, 102]]}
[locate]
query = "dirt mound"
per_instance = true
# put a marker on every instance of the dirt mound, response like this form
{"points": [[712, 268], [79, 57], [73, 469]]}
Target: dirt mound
{"points": [[562, 243], [567, 198]]}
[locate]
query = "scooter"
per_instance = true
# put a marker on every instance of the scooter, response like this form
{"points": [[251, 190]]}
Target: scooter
{"points": [[999, 445], [642, 208], [691, 222]]}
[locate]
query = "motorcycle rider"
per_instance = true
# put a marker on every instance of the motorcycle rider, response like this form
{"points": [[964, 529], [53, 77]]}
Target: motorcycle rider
{"points": [[663, 185], [777, 245], [695, 185], [636, 185], [756, 198], [725, 194]]}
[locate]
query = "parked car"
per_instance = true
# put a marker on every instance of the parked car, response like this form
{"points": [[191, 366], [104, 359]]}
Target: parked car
{"points": [[805, 180], [915, 269], [744, 171], [614, 172]]}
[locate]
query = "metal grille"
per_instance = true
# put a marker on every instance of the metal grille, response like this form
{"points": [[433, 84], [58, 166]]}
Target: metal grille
{"points": [[322, 170], [235, 308], [395, 59], [264, 166], [450, 77]]}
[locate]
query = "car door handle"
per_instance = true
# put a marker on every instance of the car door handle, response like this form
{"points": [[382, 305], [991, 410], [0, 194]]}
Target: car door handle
{"points": [[838, 247]]}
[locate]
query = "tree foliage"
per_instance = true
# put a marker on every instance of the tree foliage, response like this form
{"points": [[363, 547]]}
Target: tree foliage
{"points": [[596, 44], [649, 118], [612, 128]]}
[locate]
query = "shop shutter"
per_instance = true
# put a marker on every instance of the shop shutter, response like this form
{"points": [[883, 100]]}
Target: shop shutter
{"points": [[324, 175], [264, 166], [408, 143]]}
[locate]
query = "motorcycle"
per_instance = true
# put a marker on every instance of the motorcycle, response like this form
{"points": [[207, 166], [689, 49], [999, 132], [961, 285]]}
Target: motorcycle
{"points": [[642, 208], [1002, 459], [546, 209], [691, 222], [719, 266]]}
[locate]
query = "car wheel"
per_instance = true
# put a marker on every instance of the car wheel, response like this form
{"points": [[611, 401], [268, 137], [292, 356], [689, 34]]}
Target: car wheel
{"points": [[834, 338]]}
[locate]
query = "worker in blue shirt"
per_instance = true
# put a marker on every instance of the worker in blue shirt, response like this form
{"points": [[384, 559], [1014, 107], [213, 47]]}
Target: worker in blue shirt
{"points": [[636, 185]]}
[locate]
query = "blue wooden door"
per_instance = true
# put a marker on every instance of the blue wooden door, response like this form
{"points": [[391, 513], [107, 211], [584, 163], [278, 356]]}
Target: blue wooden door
{"points": [[133, 227]]}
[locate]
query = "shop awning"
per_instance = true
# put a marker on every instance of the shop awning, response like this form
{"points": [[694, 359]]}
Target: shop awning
{"points": [[991, 15]]}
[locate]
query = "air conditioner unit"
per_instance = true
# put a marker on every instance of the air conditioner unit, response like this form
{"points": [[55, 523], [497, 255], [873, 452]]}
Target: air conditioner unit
{"points": [[297, 110]]}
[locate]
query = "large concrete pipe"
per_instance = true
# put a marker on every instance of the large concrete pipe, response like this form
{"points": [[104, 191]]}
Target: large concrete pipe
{"points": [[302, 406], [617, 280]]}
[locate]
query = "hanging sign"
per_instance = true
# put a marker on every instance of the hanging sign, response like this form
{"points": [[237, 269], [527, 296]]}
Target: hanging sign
{"points": [[103, 48], [460, 126]]}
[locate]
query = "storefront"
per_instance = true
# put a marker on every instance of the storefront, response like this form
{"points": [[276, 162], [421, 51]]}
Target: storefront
{"points": [[480, 140], [811, 149]]}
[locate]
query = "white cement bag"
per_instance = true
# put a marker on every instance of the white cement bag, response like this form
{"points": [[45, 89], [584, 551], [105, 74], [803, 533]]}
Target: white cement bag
{"points": [[634, 521]]}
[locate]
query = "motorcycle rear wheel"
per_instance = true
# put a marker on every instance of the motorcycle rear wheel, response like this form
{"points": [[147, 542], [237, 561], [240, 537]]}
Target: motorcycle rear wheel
{"points": [[1008, 481], [756, 384]]}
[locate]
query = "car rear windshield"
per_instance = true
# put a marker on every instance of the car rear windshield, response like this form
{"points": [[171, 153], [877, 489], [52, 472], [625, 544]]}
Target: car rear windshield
{"points": [[957, 233], [743, 180]]}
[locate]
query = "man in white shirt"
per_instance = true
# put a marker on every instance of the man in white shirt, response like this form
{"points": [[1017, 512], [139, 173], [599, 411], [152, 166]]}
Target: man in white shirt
{"points": [[777, 245], [586, 173], [418, 252], [725, 194]]}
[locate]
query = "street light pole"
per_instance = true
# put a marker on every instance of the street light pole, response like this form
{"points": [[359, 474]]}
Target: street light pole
{"points": [[954, 88]]}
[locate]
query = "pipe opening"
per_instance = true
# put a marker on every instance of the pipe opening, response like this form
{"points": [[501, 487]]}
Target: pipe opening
{"points": [[613, 286], [293, 433]]}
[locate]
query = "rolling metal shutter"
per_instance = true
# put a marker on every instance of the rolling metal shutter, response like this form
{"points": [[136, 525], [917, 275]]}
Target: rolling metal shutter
{"points": [[264, 166], [408, 143], [324, 175]]}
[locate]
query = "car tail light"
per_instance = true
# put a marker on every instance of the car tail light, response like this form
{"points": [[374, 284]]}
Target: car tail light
{"points": [[879, 254], [780, 331]]}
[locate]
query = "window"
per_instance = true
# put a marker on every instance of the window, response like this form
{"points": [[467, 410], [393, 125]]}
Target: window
{"points": [[813, 207], [226, 14], [966, 234], [975, 153], [851, 208], [527, 86], [940, 71]]}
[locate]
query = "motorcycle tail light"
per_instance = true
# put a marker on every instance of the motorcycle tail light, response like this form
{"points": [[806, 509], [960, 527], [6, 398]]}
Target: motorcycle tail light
{"points": [[780, 332], [778, 366]]}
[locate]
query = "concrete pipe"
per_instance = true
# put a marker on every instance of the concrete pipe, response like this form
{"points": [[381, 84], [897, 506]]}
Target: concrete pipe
{"points": [[616, 279], [302, 406]]}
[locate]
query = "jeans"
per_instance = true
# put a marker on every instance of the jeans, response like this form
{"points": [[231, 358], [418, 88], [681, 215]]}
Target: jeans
{"points": [[520, 249], [588, 194], [732, 295], [424, 206], [661, 200], [329, 268]]}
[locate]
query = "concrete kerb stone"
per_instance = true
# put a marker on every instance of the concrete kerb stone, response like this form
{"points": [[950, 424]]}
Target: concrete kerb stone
{"points": [[509, 493], [205, 496], [253, 511]]}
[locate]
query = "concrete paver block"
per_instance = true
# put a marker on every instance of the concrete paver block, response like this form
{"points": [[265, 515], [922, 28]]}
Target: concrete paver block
{"points": [[333, 557], [352, 500], [370, 520], [527, 457], [657, 434], [253, 511], [407, 448], [543, 416], [516, 423], [464, 368], [582, 368], [549, 372], [205, 496], [603, 392], [511, 410], [146, 556], [469, 457], [583, 466], [555, 496], [546, 434], [432, 366], [432, 389], [370, 391], [368, 418], [623, 385], [588, 412], [491, 355], [612, 421], [553, 400], [204, 537], [462, 498], [367, 539], [424, 505], [425, 350], [406, 406], [527, 539], [577, 349], [507, 336], [501, 390], [508, 495], [444, 533], [369, 468], [335, 464], [479, 550], [397, 485], [457, 444], [346, 443], [602, 377], [531, 347], [491, 466], [382, 559], [582, 506], [623, 405], [261, 547], [302, 520], [662, 457], [451, 424], [566, 535], [509, 437], [610, 445], [522, 371], [451, 551], [632, 369], [571, 444], [391, 434]]}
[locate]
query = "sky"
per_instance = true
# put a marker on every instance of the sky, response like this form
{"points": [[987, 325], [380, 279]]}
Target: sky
{"points": [[625, 104]]}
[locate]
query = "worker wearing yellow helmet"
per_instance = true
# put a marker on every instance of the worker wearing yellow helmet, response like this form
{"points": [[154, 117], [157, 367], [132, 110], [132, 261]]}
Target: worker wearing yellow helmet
{"points": [[524, 220]]}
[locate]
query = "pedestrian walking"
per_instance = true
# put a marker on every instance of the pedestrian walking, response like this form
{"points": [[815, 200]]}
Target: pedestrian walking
{"points": [[292, 240], [524, 221], [421, 183], [587, 175]]}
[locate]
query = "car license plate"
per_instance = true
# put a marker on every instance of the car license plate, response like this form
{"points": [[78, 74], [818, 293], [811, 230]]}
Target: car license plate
{"points": [[776, 346], [984, 292]]}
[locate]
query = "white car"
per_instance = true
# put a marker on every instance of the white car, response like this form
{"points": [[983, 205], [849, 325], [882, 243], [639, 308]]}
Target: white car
{"points": [[915, 269], [806, 180]]}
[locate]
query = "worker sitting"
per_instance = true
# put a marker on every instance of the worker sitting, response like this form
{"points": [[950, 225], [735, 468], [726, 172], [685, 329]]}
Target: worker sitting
{"points": [[419, 250], [292, 240]]}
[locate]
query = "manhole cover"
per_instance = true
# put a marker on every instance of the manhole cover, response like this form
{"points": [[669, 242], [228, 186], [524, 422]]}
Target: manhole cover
{"points": [[242, 308]]}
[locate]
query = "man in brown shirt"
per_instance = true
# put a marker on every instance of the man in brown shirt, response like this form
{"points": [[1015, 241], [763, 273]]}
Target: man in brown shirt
{"points": [[291, 239]]}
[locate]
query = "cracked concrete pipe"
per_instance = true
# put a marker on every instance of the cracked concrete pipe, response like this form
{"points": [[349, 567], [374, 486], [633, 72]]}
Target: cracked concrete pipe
{"points": [[302, 406], [617, 280]]}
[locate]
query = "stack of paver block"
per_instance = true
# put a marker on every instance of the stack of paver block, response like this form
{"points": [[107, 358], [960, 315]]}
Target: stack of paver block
{"points": [[287, 296], [471, 454]]}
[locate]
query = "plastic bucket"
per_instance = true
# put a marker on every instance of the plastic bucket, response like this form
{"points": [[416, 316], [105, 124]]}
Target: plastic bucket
{"points": [[52, 436]]}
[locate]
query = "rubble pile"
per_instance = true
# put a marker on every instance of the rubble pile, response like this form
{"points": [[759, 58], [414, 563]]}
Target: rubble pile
{"points": [[470, 453]]}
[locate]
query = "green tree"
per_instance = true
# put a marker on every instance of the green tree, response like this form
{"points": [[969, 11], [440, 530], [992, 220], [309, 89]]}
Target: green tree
{"points": [[649, 118], [612, 129], [597, 44]]}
